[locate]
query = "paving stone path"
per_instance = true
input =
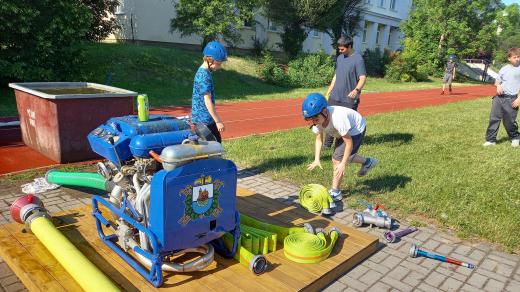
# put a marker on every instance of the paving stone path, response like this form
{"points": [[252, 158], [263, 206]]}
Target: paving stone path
{"points": [[389, 269]]}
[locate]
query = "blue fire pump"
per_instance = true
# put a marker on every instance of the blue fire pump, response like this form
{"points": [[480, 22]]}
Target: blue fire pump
{"points": [[181, 200]]}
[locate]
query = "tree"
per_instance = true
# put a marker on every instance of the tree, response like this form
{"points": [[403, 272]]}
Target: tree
{"points": [[509, 31], [331, 16], [342, 21], [212, 18], [442, 27], [103, 20], [39, 39]]}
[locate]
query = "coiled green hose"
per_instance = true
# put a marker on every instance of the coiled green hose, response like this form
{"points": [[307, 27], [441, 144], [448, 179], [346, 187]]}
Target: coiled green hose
{"points": [[300, 244], [309, 248], [315, 198], [81, 179]]}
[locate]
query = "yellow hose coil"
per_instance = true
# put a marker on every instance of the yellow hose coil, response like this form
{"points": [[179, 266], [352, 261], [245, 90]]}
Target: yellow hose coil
{"points": [[86, 274], [315, 198], [307, 248], [300, 244]]}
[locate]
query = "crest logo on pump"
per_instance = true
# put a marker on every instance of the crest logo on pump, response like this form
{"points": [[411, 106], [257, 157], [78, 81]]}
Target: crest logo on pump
{"points": [[201, 199]]}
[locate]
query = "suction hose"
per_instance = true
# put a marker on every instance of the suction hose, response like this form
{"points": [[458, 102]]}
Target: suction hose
{"points": [[81, 179], [29, 210], [315, 198]]}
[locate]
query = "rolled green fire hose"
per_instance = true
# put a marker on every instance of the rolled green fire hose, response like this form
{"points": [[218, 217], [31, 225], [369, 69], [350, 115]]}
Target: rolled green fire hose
{"points": [[315, 198], [300, 244], [256, 263], [81, 179], [309, 248]]}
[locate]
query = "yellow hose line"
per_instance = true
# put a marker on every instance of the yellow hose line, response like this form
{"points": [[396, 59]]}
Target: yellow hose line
{"points": [[309, 248], [86, 274], [314, 198], [281, 232]]}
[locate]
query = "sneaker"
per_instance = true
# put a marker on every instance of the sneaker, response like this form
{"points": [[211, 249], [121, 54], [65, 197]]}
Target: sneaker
{"points": [[335, 195], [442, 93], [367, 166], [515, 143], [488, 143]]}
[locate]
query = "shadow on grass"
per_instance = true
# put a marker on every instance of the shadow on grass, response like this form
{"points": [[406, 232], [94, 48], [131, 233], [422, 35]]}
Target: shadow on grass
{"points": [[382, 184], [282, 162], [400, 138]]}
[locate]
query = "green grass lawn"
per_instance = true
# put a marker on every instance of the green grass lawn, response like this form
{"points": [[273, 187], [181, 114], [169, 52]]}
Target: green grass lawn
{"points": [[166, 75], [432, 169]]}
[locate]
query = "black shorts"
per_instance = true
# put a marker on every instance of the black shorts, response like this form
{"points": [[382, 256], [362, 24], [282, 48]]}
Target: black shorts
{"points": [[339, 146], [214, 130]]}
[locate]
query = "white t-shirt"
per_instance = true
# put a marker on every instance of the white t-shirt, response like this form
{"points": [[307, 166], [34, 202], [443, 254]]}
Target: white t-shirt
{"points": [[343, 121]]}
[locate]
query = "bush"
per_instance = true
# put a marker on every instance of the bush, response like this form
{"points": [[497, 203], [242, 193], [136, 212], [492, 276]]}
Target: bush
{"points": [[311, 70], [258, 46], [407, 65], [375, 62], [270, 71], [40, 39]]}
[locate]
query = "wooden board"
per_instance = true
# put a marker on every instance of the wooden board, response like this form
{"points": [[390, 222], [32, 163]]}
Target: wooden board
{"points": [[39, 271]]}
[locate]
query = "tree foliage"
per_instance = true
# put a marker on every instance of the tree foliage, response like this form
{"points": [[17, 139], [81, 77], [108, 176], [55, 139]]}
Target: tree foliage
{"points": [[342, 21], [39, 39], [212, 18], [509, 31], [103, 19], [443, 27], [296, 16]]}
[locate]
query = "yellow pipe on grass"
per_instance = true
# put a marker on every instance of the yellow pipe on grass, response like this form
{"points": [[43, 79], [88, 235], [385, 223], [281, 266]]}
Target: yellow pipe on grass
{"points": [[86, 274]]}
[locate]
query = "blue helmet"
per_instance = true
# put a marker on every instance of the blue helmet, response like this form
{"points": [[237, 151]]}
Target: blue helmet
{"points": [[215, 50], [313, 104]]}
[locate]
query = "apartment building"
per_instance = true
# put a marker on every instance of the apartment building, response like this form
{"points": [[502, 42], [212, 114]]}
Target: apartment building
{"points": [[149, 20]]}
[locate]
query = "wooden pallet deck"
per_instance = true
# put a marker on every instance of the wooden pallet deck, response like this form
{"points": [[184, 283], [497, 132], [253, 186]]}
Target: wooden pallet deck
{"points": [[39, 271]]}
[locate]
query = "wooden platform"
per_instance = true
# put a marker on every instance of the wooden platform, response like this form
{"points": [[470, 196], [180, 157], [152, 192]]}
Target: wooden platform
{"points": [[39, 271]]}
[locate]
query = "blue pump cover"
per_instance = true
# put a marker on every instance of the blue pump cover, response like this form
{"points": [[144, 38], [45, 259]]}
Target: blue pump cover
{"points": [[194, 203], [142, 144], [114, 140]]}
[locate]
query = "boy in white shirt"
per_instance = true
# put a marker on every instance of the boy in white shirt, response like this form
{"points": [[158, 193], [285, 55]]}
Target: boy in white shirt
{"points": [[348, 126]]}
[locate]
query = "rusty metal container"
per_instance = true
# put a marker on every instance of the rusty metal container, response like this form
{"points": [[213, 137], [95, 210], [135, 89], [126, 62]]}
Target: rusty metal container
{"points": [[55, 117]]}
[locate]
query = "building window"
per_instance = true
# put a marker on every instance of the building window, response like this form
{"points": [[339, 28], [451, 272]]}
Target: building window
{"points": [[249, 23], [392, 5], [119, 8], [365, 32], [381, 3], [378, 36], [271, 26], [367, 2], [315, 33]]}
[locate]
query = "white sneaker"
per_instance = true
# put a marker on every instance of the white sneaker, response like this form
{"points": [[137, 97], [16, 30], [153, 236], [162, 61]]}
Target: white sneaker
{"points": [[335, 195], [515, 143], [490, 144], [367, 166]]}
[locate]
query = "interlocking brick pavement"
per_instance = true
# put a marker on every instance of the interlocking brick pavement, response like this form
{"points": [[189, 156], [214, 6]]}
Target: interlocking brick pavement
{"points": [[389, 269]]}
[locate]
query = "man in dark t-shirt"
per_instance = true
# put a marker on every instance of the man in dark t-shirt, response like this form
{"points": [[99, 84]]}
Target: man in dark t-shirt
{"points": [[349, 79]]}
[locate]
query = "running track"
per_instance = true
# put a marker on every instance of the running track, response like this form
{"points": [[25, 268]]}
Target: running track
{"points": [[258, 117]]}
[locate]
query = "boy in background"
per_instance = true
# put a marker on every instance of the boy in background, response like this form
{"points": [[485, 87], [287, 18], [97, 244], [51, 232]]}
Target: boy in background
{"points": [[504, 106], [449, 74]]}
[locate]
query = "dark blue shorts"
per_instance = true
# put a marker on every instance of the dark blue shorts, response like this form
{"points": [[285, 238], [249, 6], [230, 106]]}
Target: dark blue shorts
{"points": [[339, 146]]}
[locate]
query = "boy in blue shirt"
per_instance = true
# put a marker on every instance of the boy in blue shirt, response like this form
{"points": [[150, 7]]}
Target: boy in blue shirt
{"points": [[203, 97], [505, 104]]}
